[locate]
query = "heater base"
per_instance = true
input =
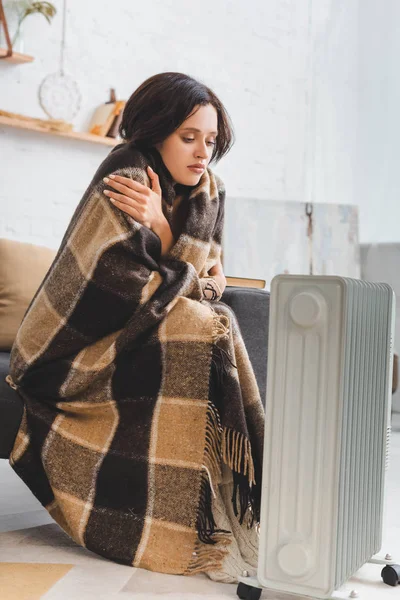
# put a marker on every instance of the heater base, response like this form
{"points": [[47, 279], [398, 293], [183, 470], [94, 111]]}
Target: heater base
{"points": [[248, 592], [250, 588]]}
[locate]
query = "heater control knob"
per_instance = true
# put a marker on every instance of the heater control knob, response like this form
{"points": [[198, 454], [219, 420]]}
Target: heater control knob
{"points": [[305, 309], [295, 559]]}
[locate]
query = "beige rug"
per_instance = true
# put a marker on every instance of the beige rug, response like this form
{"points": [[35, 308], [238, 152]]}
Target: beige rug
{"points": [[29, 581]]}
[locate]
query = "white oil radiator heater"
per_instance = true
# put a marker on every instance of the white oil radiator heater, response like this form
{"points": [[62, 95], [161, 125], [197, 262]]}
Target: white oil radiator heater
{"points": [[328, 412]]}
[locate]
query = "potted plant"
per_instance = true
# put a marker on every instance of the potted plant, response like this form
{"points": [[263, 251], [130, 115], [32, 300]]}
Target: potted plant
{"points": [[16, 11]]}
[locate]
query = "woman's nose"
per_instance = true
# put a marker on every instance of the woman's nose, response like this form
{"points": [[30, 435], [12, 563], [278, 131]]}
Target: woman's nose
{"points": [[202, 150]]}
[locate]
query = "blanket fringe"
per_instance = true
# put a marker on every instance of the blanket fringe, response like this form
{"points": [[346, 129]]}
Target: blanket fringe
{"points": [[209, 558], [236, 453], [234, 449], [226, 445], [220, 326], [205, 524], [210, 548], [213, 449], [220, 331]]}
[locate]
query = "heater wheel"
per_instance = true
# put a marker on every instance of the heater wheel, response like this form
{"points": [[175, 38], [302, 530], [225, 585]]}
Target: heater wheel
{"points": [[391, 574], [247, 592]]}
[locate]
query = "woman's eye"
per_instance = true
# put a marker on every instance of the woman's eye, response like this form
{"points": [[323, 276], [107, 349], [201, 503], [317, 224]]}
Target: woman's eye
{"points": [[192, 140]]}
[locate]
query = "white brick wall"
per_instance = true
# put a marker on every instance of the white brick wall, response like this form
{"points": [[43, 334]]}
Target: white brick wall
{"points": [[287, 71]]}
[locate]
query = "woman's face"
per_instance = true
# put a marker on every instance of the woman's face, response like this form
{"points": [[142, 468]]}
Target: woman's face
{"points": [[192, 143]]}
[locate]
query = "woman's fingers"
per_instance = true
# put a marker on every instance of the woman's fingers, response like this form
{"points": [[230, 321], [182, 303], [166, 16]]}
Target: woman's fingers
{"points": [[130, 183], [125, 189], [122, 199], [137, 200], [130, 210]]}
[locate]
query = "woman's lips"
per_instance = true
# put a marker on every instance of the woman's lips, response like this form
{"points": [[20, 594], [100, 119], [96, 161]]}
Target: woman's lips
{"points": [[196, 169]]}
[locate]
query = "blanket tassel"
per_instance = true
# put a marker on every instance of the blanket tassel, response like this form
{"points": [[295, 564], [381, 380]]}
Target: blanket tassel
{"points": [[206, 526], [232, 448], [237, 454], [210, 547], [236, 448]]}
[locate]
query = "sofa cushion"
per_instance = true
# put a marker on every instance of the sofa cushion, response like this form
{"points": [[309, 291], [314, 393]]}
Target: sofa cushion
{"points": [[23, 266]]}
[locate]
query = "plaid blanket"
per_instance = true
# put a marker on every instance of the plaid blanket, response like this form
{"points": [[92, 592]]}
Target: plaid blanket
{"points": [[136, 387]]}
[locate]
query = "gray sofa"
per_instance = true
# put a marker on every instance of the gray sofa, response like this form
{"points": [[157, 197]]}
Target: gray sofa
{"points": [[251, 307]]}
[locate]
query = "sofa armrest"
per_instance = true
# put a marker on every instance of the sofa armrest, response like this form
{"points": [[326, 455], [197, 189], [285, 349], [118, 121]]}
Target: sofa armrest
{"points": [[251, 307]]}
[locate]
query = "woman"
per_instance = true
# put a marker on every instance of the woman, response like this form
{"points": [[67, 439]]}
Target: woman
{"points": [[143, 426], [197, 139]]}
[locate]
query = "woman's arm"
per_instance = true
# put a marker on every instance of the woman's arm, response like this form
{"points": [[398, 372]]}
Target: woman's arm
{"points": [[143, 204]]}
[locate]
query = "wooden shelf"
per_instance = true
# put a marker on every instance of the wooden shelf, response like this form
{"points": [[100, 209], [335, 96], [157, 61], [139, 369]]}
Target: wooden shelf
{"points": [[75, 135], [16, 58]]}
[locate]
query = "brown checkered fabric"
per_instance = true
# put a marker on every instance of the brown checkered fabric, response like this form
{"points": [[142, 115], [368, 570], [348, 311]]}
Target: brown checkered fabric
{"points": [[136, 387]]}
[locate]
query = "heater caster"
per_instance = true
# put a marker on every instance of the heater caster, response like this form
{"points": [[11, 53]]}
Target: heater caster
{"points": [[247, 592], [391, 574]]}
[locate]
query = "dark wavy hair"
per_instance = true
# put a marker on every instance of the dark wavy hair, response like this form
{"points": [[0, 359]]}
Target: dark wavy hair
{"points": [[161, 104]]}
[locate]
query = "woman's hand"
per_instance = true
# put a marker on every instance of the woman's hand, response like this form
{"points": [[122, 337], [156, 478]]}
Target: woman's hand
{"points": [[217, 273], [137, 200]]}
